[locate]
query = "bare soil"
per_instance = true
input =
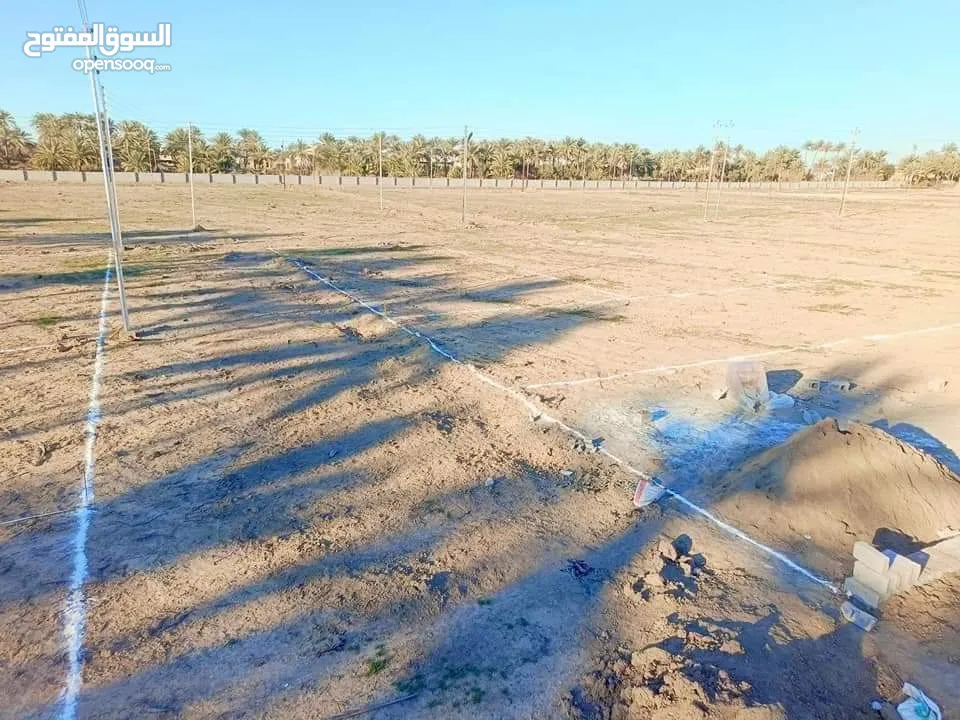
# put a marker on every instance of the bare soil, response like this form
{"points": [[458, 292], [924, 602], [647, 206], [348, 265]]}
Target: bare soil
{"points": [[302, 510]]}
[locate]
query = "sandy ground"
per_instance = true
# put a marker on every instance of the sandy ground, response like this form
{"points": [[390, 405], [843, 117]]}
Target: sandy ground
{"points": [[300, 509]]}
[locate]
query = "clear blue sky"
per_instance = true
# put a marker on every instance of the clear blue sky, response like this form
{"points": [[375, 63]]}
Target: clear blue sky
{"points": [[657, 74]]}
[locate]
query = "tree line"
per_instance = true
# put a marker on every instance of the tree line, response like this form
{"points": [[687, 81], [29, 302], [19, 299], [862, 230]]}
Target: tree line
{"points": [[69, 142]]}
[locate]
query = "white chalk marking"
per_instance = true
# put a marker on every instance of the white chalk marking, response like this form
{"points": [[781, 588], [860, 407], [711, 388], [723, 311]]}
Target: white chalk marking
{"points": [[76, 607], [907, 333], [541, 415], [659, 369]]}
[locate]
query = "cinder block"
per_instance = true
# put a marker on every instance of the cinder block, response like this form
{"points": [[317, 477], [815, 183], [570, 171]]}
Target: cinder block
{"points": [[863, 620], [904, 573], [878, 582], [866, 595], [871, 557]]}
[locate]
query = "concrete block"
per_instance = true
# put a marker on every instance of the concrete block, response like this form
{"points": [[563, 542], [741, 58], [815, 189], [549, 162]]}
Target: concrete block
{"points": [[904, 573], [863, 620], [878, 582], [866, 595], [871, 557]]}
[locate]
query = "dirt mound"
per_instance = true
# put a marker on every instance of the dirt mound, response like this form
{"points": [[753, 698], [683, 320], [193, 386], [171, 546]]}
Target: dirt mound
{"points": [[824, 488], [653, 683]]}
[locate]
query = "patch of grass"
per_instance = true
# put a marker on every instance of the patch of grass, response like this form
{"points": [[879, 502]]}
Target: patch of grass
{"points": [[376, 665], [46, 320], [452, 675], [410, 685], [378, 662]]}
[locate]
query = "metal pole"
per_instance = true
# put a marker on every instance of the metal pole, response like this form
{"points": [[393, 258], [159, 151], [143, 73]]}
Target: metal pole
{"points": [[846, 183], [463, 206], [103, 129], [380, 167], [193, 203], [706, 198], [723, 169]]}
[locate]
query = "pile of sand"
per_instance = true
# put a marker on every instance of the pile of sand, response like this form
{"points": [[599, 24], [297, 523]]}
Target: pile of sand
{"points": [[824, 488]]}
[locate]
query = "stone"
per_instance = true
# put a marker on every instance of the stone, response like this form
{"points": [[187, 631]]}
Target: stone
{"points": [[871, 557], [682, 544], [878, 582], [868, 596]]}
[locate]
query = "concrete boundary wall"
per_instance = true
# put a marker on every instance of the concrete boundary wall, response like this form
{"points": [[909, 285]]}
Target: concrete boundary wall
{"points": [[422, 183]]}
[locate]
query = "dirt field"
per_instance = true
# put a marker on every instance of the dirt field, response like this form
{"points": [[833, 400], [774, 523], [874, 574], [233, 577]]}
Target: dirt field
{"points": [[299, 509]]}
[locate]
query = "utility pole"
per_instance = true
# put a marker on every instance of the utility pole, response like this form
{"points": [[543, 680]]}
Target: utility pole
{"points": [[706, 198], [846, 183], [193, 204], [723, 167], [380, 167], [463, 207], [106, 162]]}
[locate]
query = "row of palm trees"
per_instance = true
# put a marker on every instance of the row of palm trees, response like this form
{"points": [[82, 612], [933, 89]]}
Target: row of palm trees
{"points": [[69, 142]]}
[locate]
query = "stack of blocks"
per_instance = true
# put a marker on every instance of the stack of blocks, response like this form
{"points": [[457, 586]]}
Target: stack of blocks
{"points": [[878, 575]]}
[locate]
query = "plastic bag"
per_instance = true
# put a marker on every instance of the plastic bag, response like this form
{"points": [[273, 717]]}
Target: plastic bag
{"points": [[918, 706], [747, 383]]}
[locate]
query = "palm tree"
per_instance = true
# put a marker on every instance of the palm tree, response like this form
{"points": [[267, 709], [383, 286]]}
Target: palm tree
{"points": [[136, 146], [51, 150], [251, 150], [15, 145], [223, 153], [177, 146], [502, 161]]}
